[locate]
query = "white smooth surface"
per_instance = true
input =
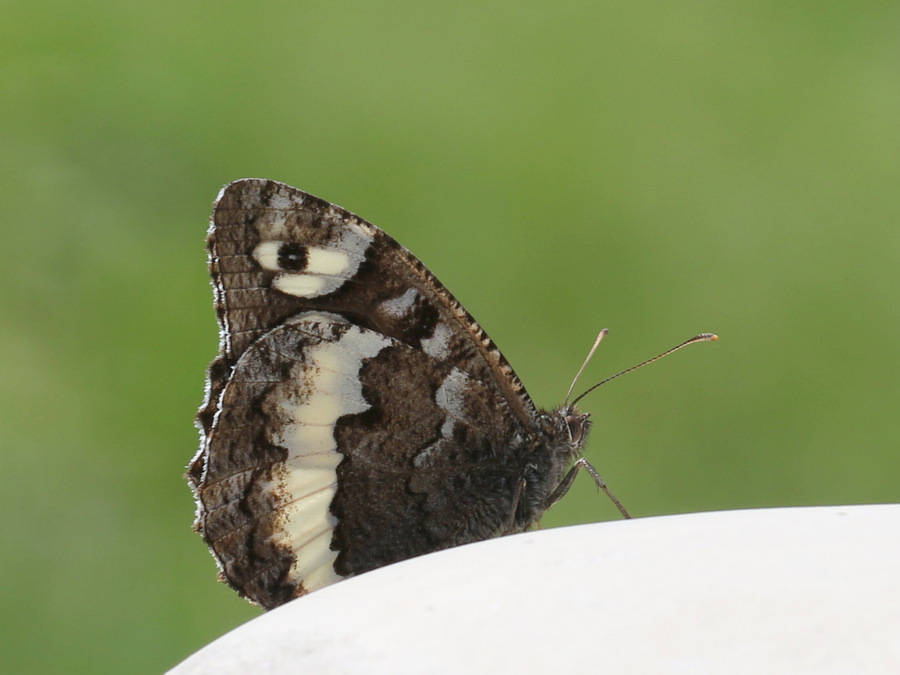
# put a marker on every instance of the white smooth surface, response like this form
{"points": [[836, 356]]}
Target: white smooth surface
{"points": [[806, 590]]}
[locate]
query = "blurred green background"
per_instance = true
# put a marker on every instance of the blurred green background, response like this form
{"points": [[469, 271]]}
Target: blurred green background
{"points": [[660, 168]]}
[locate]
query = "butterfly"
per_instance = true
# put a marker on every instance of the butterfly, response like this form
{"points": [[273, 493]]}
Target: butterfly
{"points": [[356, 414]]}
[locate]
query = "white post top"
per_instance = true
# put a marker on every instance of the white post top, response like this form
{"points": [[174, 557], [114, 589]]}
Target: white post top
{"points": [[800, 590]]}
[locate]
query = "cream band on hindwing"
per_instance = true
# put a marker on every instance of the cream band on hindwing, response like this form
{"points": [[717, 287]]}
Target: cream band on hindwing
{"points": [[321, 388]]}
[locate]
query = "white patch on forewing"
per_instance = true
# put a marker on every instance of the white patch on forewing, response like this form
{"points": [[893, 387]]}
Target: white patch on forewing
{"points": [[307, 479], [438, 345], [266, 254], [329, 262], [283, 200], [300, 285], [398, 307]]}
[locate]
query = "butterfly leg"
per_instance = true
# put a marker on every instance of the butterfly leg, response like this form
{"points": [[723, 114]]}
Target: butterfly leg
{"points": [[569, 478], [511, 523]]}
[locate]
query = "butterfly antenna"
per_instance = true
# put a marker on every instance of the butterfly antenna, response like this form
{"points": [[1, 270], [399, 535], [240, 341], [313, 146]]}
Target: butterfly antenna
{"points": [[590, 355], [703, 337]]}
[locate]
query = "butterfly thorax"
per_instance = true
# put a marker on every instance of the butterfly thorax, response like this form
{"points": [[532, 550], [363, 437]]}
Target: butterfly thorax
{"points": [[563, 433]]}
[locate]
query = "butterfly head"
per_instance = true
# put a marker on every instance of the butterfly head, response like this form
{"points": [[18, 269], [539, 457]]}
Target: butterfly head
{"points": [[566, 430]]}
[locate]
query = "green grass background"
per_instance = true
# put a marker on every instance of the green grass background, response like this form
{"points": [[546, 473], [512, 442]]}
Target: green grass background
{"points": [[660, 168]]}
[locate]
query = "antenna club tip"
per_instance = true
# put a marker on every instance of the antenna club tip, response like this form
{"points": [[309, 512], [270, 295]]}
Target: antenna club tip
{"points": [[703, 337]]}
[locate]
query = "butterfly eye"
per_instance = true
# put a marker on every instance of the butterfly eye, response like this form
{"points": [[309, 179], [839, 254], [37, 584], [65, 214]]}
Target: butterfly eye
{"points": [[292, 257], [578, 426]]}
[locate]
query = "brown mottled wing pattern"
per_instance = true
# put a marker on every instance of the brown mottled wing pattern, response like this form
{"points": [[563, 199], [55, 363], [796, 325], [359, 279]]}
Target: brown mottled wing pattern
{"points": [[356, 414]]}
